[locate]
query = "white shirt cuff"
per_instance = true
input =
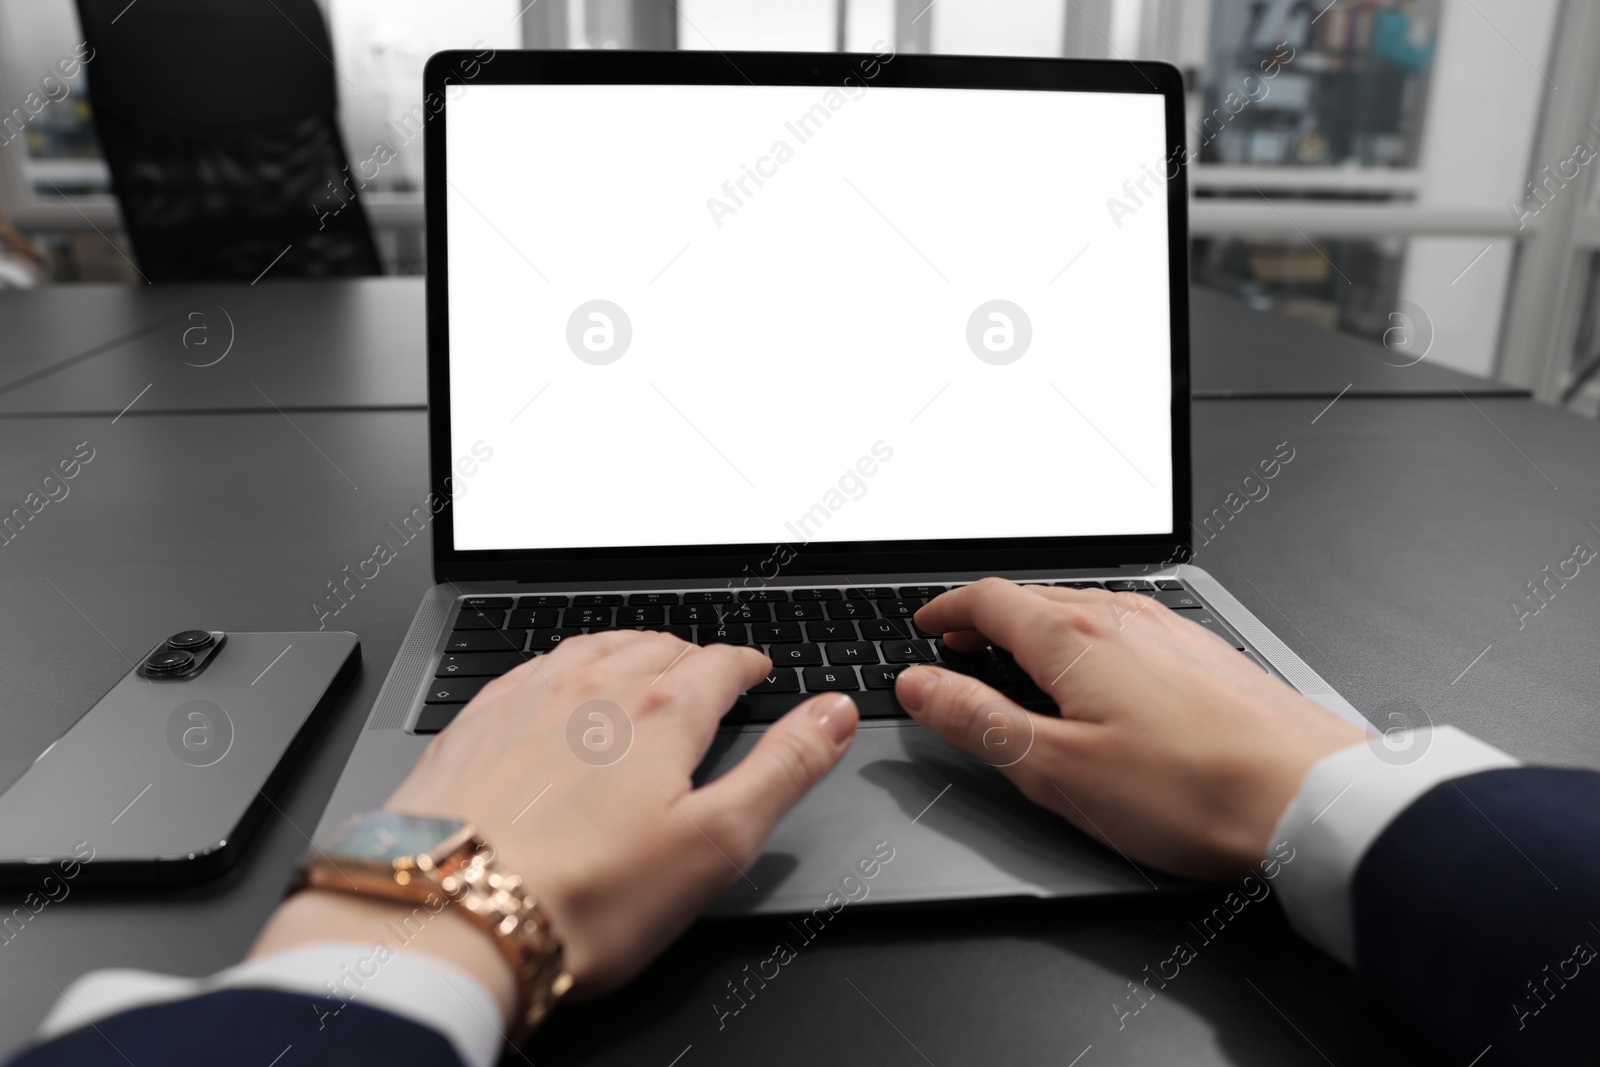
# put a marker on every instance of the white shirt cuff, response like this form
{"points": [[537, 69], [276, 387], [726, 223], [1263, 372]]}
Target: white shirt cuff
{"points": [[1345, 801], [413, 985]]}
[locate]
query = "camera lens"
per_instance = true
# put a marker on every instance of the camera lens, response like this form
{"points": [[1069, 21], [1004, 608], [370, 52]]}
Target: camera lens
{"points": [[190, 640], [169, 661]]}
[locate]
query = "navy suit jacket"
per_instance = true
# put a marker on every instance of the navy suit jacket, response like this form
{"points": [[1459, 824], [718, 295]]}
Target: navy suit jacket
{"points": [[239, 1026], [1476, 919]]}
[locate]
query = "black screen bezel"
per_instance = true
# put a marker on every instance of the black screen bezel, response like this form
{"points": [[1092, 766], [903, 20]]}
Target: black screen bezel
{"points": [[444, 70]]}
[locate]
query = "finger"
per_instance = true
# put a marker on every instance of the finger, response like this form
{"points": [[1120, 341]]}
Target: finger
{"points": [[1004, 612], [702, 686], [965, 641], [976, 719], [972, 640], [740, 809]]}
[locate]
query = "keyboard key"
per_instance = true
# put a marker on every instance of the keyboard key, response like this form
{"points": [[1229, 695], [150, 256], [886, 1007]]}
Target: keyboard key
{"points": [[534, 618], [1168, 585], [1180, 598], [998, 674], [1080, 585], [436, 717], [496, 603], [687, 613], [884, 629], [1210, 622], [831, 679], [772, 633], [478, 664], [1129, 585], [761, 596], [920, 592], [486, 641], [479, 620], [795, 655], [543, 600], [590, 616], [454, 690], [736, 633], [850, 609], [597, 600], [898, 609], [908, 652], [816, 594], [986, 665], [954, 659], [759, 707], [881, 677], [869, 592], [831, 630], [709, 596], [799, 610], [643, 615], [781, 680], [851, 652], [652, 598], [547, 639], [758, 612]]}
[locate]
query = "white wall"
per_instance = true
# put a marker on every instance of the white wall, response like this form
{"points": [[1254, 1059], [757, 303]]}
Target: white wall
{"points": [[379, 47], [770, 25], [1483, 114], [1000, 27]]}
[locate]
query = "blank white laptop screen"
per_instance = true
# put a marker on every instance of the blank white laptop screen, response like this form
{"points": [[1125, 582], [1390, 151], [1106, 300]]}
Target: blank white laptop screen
{"points": [[691, 315]]}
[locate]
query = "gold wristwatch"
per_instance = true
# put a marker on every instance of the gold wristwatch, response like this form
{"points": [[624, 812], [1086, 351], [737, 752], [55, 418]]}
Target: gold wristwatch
{"points": [[432, 861]]}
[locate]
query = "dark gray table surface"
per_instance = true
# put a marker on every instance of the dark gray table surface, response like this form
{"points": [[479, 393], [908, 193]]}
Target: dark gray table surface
{"points": [[1237, 351], [309, 345], [299, 345], [1386, 553]]}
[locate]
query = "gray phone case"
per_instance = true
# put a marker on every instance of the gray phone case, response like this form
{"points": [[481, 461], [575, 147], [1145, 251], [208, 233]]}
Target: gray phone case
{"points": [[163, 779]]}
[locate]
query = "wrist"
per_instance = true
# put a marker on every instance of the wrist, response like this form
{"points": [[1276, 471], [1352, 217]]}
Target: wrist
{"points": [[313, 915]]}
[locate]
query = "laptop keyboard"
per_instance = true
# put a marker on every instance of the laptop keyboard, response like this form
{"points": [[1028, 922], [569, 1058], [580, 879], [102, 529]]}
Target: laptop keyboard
{"points": [[851, 639]]}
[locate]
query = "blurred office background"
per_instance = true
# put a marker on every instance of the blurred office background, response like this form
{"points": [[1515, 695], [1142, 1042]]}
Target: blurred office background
{"points": [[1415, 156]]}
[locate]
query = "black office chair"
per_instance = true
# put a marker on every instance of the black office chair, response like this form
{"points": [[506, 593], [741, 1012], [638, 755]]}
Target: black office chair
{"points": [[219, 121]]}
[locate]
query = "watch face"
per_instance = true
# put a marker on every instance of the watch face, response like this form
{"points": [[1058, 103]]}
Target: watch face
{"points": [[385, 836]]}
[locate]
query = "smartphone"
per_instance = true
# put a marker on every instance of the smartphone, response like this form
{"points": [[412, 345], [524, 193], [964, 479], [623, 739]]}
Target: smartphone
{"points": [[166, 777]]}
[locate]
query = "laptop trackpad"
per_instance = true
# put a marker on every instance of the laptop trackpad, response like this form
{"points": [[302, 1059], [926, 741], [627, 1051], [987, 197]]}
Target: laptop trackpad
{"points": [[905, 817]]}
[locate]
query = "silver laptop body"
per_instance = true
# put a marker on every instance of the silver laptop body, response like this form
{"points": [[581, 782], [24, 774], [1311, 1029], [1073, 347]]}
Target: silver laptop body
{"points": [[772, 347]]}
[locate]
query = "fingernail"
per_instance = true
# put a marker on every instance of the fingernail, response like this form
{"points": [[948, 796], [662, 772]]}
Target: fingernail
{"points": [[829, 711], [912, 687]]}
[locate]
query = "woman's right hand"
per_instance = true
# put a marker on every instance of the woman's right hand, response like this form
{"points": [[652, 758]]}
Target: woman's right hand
{"points": [[1172, 747]]}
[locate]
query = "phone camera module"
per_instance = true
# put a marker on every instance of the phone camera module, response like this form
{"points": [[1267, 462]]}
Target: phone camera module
{"points": [[168, 661], [190, 640]]}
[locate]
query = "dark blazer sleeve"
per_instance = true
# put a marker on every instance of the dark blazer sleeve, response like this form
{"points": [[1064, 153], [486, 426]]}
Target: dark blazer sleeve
{"points": [[246, 1026], [1477, 917]]}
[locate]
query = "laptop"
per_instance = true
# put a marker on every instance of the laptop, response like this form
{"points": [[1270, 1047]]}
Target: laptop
{"points": [[769, 349]]}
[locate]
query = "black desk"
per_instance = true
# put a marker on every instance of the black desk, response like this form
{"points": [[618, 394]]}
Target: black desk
{"points": [[1386, 554], [324, 345]]}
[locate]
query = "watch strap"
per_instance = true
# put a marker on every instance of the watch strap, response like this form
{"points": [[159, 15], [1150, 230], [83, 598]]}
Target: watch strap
{"points": [[497, 901]]}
